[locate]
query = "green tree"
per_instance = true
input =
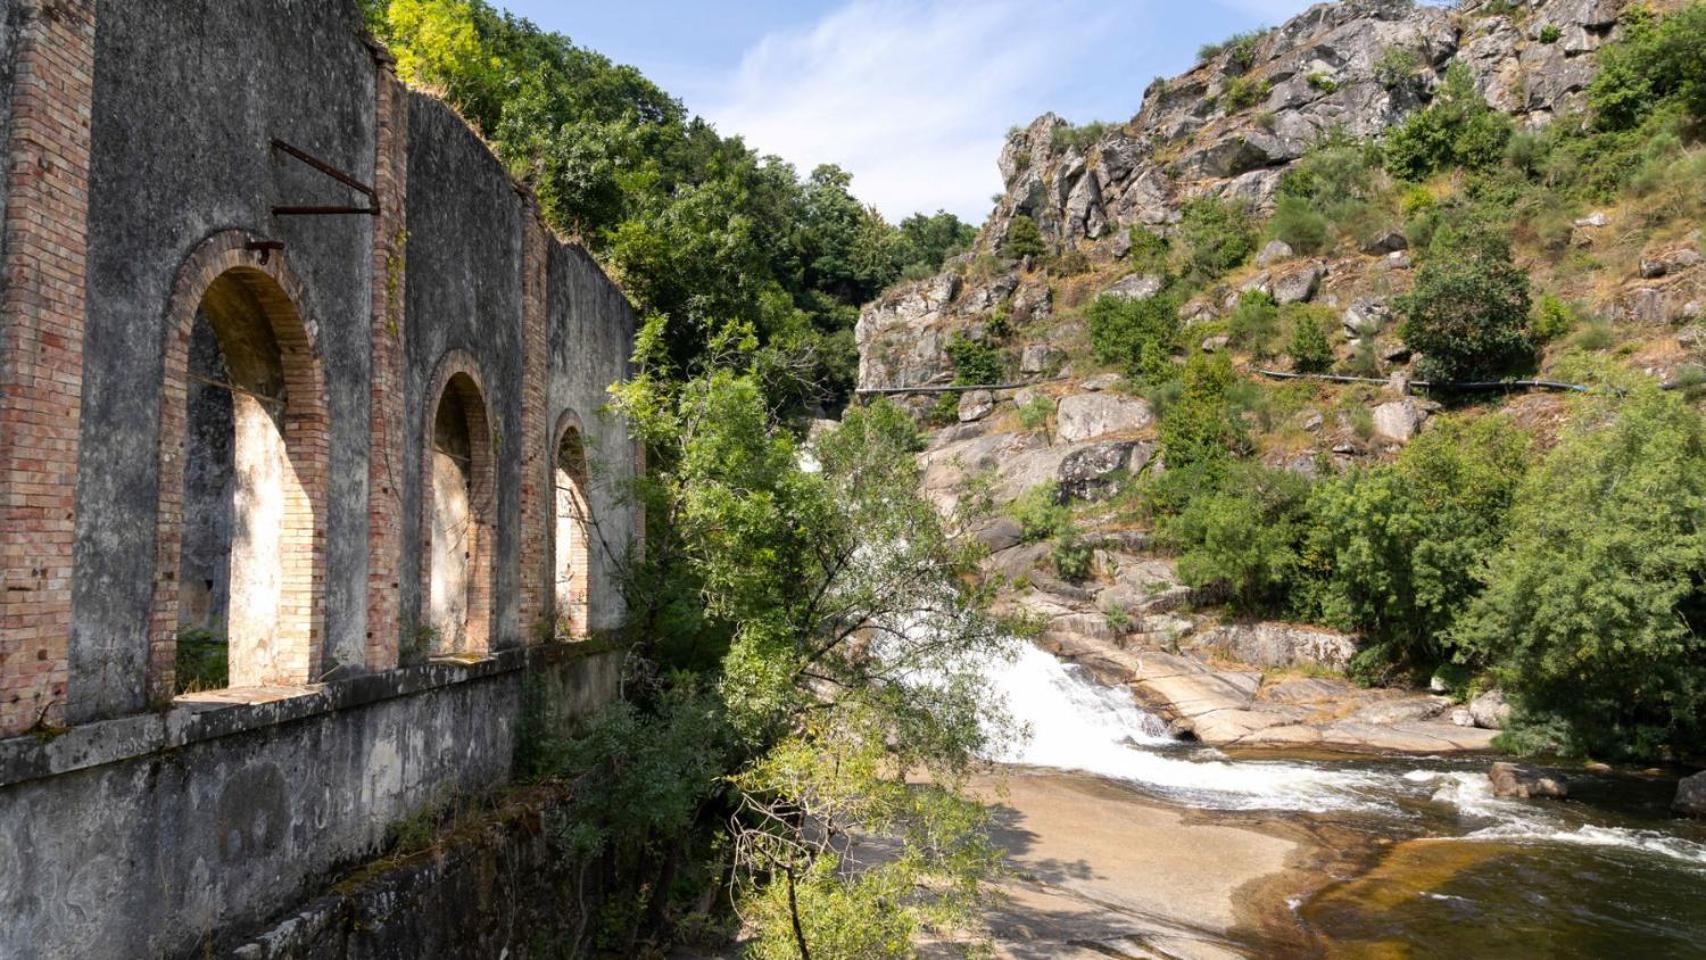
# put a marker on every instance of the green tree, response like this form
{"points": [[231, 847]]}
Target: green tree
{"points": [[1023, 238], [1139, 335], [1242, 537], [1457, 129], [1310, 349], [1217, 236], [926, 242], [1594, 608], [1468, 311], [1400, 544], [1200, 428], [1655, 60]]}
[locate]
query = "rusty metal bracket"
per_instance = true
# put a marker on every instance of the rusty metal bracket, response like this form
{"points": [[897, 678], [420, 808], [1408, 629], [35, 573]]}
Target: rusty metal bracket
{"points": [[264, 247], [372, 209]]}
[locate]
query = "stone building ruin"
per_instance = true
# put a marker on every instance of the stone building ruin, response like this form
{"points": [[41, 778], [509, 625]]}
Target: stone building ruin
{"points": [[290, 369]]}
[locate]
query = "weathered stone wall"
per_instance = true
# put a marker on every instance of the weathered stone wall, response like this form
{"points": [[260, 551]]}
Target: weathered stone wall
{"points": [[151, 836], [141, 184]]}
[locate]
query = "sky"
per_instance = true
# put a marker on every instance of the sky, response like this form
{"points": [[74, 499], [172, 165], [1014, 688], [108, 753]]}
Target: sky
{"points": [[913, 97]]}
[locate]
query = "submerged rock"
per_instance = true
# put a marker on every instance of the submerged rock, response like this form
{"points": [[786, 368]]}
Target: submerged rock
{"points": [[1515, 780]]}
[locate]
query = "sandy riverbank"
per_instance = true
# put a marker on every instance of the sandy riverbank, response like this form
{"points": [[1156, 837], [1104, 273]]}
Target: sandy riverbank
{"points": [[1103, 872]]}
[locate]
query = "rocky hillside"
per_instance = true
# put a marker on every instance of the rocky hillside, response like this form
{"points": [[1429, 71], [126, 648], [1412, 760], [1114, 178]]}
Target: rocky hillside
{"points": [[1103, 211]]}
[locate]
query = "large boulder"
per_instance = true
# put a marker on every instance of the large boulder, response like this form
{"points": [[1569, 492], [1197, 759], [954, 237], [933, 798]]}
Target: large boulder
{"points": [[1086, 416], [1137, 286], [1490, 711], [1523, 783], [1271, 644], [1399, 420], [1089, 472], [1300, 285], [1691, 796]]}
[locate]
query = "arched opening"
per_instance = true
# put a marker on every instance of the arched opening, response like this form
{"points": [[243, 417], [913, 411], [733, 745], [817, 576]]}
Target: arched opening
{"points": [[244, 444], [459, 522], [572, 536]]}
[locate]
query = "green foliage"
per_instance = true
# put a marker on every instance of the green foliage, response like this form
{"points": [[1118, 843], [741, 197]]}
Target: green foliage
{"points": [[1078, 138], [1072, 558], [203, 662], [1396, 66], [1654, 61], [1149, 250], [1553, 319], [1468, 311], [1201, 427], [975, 362], [1310, 349], [1594, 607], [1140, 335], [1217, 236], [1034, 414], [1041, 514], [1550, 33], [1323, 82], [1457, 129], [1243, 92], [926, 242], [1023, 239], [1240, 49], [1242, 537], [1401, 543], [1254, 324], [1299, 224]]}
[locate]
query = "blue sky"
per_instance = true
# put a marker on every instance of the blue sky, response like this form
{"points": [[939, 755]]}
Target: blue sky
{"points": [[912, 96]]}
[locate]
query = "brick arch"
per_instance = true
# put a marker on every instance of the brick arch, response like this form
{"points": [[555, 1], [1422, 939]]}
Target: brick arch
{"points": [[458, 380], [296, 635], [572, 529]]}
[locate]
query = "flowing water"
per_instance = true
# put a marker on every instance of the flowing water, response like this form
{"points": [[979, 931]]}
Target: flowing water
{"points": [[1607, 873]]}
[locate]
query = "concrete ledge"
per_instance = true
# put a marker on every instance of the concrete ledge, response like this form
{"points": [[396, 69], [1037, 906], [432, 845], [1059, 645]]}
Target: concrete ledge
{"points": [[34, 756]]}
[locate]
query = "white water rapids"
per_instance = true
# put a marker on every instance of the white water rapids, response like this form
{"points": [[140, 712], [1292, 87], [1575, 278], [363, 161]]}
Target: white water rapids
{"points": [[1079, 724]]}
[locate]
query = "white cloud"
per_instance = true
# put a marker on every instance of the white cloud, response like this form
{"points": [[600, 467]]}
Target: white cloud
{"points": [[913, 98]]}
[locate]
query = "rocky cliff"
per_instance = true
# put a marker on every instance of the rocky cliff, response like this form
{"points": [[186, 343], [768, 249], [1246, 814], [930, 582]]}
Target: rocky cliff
{"points": [[1077, 431]]}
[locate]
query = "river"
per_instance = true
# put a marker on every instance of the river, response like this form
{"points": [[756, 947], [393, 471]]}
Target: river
{"points": [[1448, 871]]}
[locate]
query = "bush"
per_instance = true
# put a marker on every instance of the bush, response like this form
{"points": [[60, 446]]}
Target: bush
{"points": [[1553, 319], [1322, 81], [1655, 61], [1040, 513], [1243, 92], [1310, 348], [1401, 543], [1023, 238], [1200, 426], [1457, 129], [1240, 49], [1138, 335], [1468, 311], [1254, 324], [1076, 138], [1243, 537], [1072, 558], [1034, 414], [1299, 224], [1148, 250], [1217, 236], [1594, 611], [975, 363], [1550, 33], [1396, 66]]}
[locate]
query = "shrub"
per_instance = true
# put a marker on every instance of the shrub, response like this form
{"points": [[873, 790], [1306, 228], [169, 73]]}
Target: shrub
{"points": [[1076, 138], [1254, 324], [1242, 537], [974, 362], [1240, 49], [1396, 66], [1654, 61], [1200, 426], [1148, 250], [1402, 542], [1023, 238], [1138, 335], [1040, 513], [1072, 558], [1217, 236], [1594, 611], [1310, 349], [1456, 129], [1299, 224], [1322, 81], [1034, 414], [1550, 33], [1069, 264], [1468, 311], [1243, 92], [1553, 319]]}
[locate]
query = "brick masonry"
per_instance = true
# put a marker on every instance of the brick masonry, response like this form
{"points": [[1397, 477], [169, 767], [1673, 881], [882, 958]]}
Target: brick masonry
{"points": [[41, 350]]}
